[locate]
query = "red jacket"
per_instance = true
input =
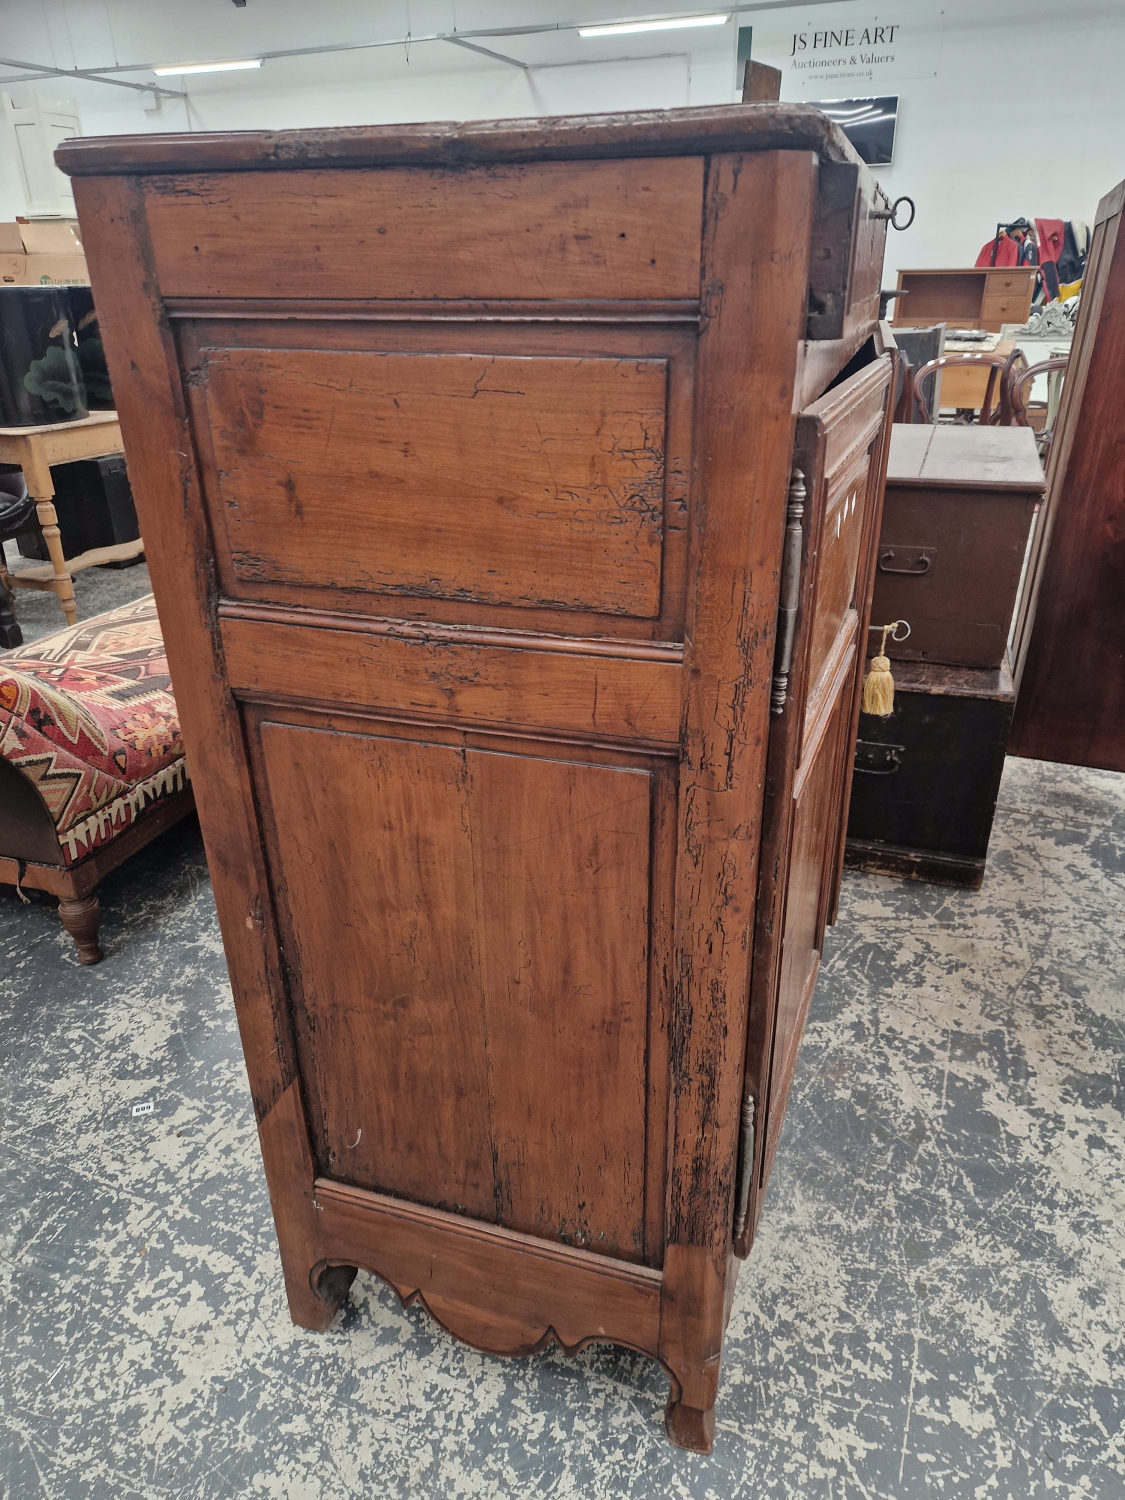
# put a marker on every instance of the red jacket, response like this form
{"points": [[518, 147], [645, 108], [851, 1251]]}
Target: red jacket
{"points": [[1052, 238], [1007, 252]]}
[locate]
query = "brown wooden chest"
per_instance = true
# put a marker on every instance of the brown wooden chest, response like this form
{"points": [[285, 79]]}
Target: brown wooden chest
{"points": [[927, 778], [958, 509], [474, 462]]}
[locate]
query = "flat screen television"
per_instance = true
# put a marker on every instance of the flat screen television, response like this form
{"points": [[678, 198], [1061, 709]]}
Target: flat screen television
{"points": [[868, 123]]}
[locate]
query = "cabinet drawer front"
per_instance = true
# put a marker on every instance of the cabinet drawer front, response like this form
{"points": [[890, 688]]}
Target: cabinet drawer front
{"points": [[1009, 308], [561, 229], [535, 482], [1009, 283]]}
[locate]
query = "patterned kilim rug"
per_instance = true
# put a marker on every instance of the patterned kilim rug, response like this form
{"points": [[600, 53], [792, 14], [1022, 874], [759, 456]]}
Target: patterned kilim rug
{"points": [[88, 716]]}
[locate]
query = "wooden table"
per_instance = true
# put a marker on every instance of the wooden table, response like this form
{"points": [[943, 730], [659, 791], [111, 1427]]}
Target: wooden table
{"points": [[35, 449]]}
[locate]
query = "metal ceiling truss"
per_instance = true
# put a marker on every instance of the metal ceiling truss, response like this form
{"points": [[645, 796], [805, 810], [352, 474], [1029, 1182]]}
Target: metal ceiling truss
{"points": [[92, 75]]}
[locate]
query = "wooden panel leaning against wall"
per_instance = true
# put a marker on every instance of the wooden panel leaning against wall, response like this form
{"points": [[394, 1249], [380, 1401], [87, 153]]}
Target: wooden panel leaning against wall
{"points": [[1069, 642], [469, 551]]}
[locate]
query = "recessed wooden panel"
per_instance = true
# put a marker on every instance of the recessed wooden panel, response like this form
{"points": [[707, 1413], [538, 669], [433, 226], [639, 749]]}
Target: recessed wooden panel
{"points": [[378, 880], [537, 482], [470, 931], [557, 229], [673, 344], [845, 437], [811, 868], [431, 676], [561, 866], [839, 558]]}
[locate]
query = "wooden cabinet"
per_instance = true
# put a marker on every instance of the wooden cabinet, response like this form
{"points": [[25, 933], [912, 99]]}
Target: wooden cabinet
{"points": [[974, 297], [472, 455]]}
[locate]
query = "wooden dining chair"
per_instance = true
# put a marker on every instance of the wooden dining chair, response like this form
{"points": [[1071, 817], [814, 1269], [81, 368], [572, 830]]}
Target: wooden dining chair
{"points": [[1021, 388], [902, 409], [1000, 368]]}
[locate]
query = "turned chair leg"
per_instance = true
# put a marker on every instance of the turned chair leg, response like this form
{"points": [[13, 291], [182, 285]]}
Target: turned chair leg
{"points": [[79, 915]]}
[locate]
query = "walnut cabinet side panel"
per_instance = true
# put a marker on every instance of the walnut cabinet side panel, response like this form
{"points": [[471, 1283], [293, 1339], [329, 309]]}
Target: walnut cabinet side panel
{"points": [[588, 895]]}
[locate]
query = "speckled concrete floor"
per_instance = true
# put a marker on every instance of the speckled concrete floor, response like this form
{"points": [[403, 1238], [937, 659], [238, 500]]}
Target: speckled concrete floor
{"points": [[935, 1305]]}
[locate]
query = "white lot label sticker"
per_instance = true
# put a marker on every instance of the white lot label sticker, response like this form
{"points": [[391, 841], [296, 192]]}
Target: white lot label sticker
{"points": [[144, 1109]]}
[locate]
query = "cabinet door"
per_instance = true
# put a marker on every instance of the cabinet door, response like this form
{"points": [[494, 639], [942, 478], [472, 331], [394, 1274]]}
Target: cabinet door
{"points": [[835, 498]]}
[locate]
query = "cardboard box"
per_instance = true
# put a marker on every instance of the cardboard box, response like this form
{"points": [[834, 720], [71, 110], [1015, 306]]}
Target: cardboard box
{"points": [[45, 252]]}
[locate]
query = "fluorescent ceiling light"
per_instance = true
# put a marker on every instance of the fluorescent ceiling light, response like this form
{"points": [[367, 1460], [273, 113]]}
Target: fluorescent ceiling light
{"points": [[173, 70], [677, 23]]}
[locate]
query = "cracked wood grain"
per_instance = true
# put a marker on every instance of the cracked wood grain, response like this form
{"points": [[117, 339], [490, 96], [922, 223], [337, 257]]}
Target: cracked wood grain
{"points": [[559, 229], [534, 482], [142, 357]]}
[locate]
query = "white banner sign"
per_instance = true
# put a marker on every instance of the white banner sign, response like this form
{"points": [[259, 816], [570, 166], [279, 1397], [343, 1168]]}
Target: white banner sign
{"points": [[836, 51]]}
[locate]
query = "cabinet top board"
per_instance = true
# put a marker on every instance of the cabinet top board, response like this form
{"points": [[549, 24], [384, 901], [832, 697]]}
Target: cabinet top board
{"points": [[986, 458], [656, 132]]}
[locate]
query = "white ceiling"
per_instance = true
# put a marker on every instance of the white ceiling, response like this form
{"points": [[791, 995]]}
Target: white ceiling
{"points": [[88, 34]]}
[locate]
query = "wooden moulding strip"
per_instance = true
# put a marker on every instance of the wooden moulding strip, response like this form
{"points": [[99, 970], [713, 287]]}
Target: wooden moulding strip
{"points": [[465, 635], [636, 701], [927, 865], [501, 1291], [987, 486], [56, 880], [854, 456], [423, 309], [81, 878], [643, 133]]}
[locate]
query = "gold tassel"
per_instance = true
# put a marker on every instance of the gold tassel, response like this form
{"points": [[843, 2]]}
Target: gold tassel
{"points": [[879, 685]]}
